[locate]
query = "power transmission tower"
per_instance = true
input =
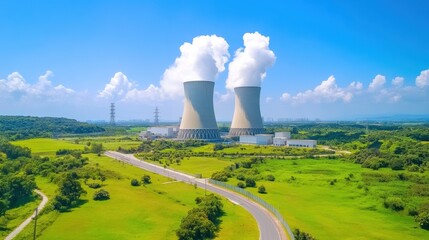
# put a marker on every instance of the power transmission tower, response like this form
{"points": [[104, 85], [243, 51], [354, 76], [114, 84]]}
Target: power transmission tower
{"points": [[112, 114], [156, 117]]}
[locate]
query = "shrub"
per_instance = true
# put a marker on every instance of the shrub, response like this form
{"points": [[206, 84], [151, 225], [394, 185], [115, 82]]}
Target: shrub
{"points": [[94, 185], [250, 182], [241, 177], [271, 178], [261, 189], [220, 176], [146, 179], [101, 195], [300, 235], [394, 203], [423, 220], [135, 182], [241, 185]]}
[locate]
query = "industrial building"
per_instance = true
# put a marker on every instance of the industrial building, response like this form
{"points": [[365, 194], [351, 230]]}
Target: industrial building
{"points": [[159, 132], [247, 118], [279, 139], [258, 139], [301, 143], [198, 119]]}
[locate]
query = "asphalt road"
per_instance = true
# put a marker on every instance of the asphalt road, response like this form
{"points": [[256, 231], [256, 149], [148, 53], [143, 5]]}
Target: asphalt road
{"points": [[269, 227], [17, 230]]}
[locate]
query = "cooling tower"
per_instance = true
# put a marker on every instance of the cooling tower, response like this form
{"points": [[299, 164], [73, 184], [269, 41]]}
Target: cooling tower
{"points": [[198, 119], [247, 118]]}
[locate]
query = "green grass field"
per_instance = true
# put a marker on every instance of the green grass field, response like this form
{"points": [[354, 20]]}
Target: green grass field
{"points": [[153, 211], [46, 146], [344, 210]]}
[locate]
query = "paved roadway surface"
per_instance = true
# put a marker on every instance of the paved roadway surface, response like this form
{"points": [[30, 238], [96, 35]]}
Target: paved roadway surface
{"points": [[17, 230], [269, 227]]}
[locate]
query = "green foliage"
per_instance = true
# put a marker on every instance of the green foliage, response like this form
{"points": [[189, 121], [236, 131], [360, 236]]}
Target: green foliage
{"points": [[250, 182], [20, 127], [220, 176], [135, 182], [69, 191], [101, 195], [423, 220], [394, 203], [94, 185], [241, 185], [218, 146], [270, 178], [200, 223], [14, 152], [96, 148], [261, 189], [300, 235], [146, 179]]}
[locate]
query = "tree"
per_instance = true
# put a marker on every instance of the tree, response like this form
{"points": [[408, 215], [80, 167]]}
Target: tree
{"points": [[271, 178], [69, 192], [135, 182], [261, 189], [250, 182], [241, 185], [196, 226], [146, 179], [423, 220], [300, 235], [101, 195], [96, 148]]}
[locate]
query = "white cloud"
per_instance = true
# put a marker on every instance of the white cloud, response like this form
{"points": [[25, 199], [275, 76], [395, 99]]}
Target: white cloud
{"points": [[16, 86], [327, 91], [268, 99], [251, 62], [423, 79], [398, 81], [117, 88], [377, 83]]}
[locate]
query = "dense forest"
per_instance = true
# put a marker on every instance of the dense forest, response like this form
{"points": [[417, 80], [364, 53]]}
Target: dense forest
{"points": [[22, 127]]}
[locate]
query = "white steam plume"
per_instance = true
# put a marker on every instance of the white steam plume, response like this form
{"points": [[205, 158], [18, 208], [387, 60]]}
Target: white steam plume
{"points": [[203, 59], [250, 63]]}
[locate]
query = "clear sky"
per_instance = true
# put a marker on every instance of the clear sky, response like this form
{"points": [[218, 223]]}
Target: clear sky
{"points": [[320, 59]]}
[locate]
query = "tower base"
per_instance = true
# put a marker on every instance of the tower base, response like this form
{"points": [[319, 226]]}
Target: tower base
{"points": [[245, 131], [200, 134]]}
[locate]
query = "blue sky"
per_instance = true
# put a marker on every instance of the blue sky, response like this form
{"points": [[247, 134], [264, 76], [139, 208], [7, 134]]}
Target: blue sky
{"points": [[58, 56]]}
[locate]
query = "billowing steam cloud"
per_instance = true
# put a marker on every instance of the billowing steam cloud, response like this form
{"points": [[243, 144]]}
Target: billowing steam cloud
{"points": [[203, 59], [250, 64]]}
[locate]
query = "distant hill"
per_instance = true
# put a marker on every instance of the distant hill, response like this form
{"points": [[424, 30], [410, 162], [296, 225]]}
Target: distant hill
{"points": [[23, 127]]}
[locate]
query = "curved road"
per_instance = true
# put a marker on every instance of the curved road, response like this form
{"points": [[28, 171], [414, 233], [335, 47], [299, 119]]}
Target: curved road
{"points": [[269, 227], [17, 230]]}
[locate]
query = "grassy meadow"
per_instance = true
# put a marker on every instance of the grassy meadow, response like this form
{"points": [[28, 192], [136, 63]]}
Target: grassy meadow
{"points": [[153, 211]]}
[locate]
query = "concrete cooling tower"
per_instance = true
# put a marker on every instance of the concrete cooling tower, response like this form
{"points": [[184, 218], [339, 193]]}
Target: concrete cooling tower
{"points": [[247, 118], [198, 119]]}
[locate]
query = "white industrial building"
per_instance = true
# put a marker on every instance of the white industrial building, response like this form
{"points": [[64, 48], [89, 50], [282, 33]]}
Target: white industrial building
{"points": [[159, 132], [280, 138], [301, 143], [258, 139]]}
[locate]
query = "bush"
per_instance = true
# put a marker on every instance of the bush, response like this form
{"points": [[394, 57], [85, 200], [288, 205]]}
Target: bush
{"points": [[271, 178], [241, 177], [261, 189], [135, 182], [300, 235], [101, 195], [250, 182], [146, 179], [423, 220], [94, 185], [241, 185], [394, 203], [220, 176]]}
